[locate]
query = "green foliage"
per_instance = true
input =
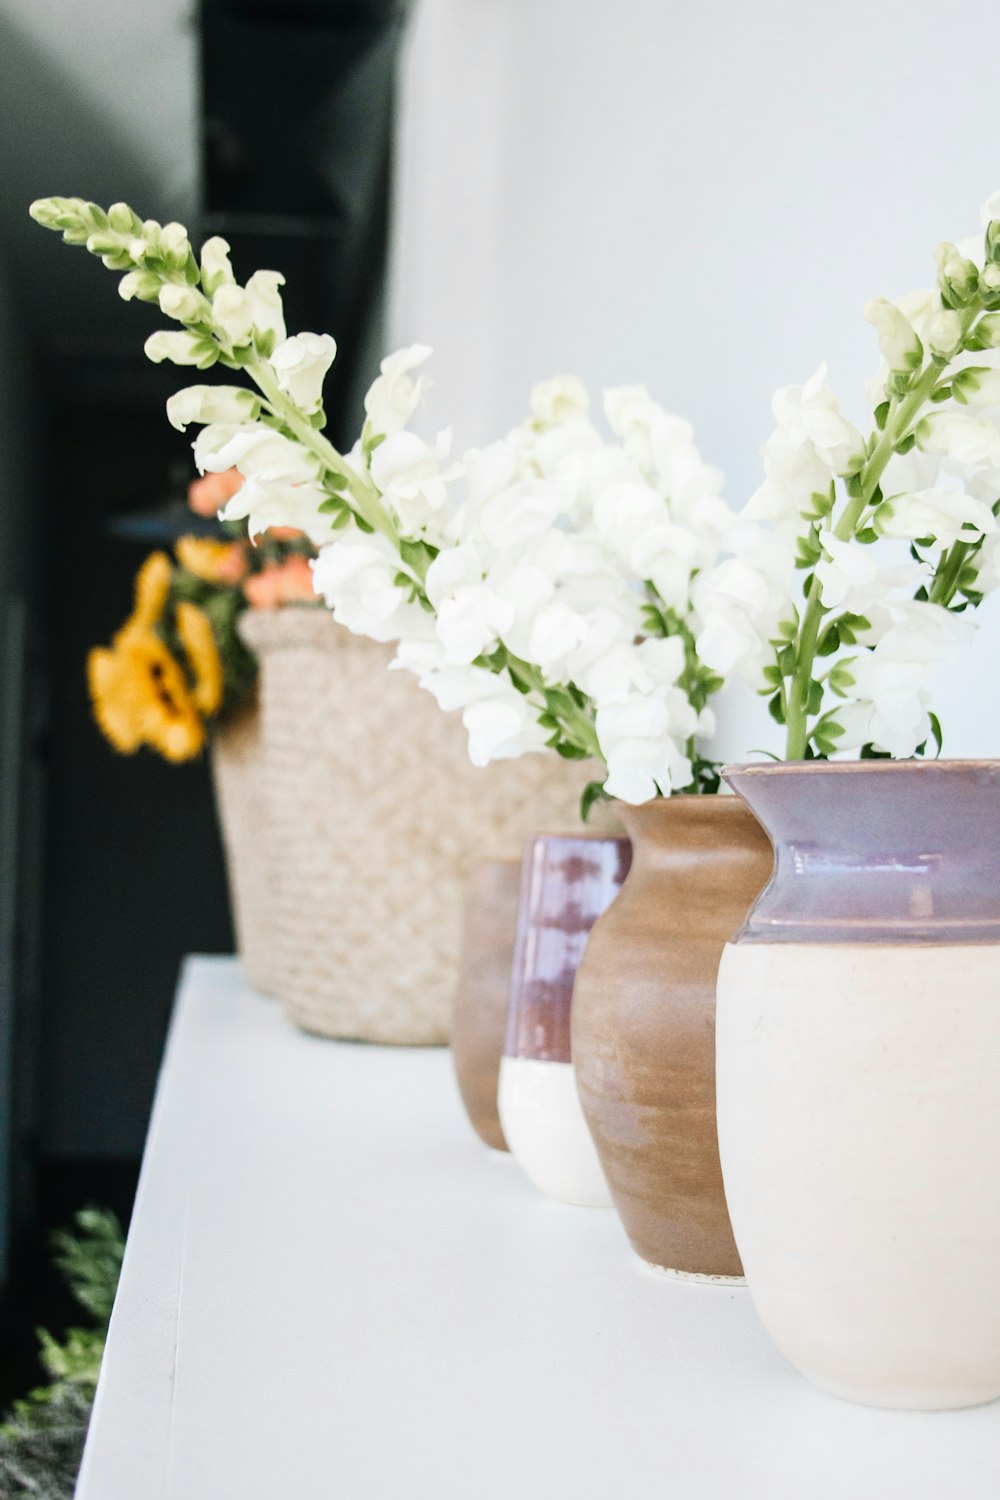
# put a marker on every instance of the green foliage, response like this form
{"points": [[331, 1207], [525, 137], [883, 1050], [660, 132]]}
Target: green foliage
{"points": [[41, 1441]]}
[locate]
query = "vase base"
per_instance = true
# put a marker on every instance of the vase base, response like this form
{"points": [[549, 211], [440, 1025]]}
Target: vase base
{"points": [[697, 1276], [915, 1399]]}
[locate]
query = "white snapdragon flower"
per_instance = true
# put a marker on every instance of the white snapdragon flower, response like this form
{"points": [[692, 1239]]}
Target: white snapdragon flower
{"points": [[742, 601], [947, 516], [282, 479], [182, 303], [562, 399], [266, 310], [516, 516], [470, 615], [899, 343], [232, 313], [637, 739], [393, 397], [648, 432], [890, 696], [918, 308], [216, 269], [845, 570], [966, 443], [301, 364], [811, 443], [811, 413], [408, 473], [181, 349], [358, 576], [978, 387], [501, 722], [212, 403]]}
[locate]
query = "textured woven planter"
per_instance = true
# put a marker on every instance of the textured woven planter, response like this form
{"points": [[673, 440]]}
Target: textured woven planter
{"points": [[240, 798], [375, 814]]}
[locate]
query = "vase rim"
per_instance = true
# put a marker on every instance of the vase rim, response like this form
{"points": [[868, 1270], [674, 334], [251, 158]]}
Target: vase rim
{"points": [[842, 767]]}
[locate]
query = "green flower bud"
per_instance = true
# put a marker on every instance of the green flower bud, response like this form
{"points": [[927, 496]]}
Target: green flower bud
{"points": [[986, 333], [103, 242], [957, 276], [122, 219], [144, 285], [989, 284]]}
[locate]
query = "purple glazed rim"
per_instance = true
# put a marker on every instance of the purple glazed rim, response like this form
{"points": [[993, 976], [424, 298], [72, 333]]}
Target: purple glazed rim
{"points": [[876, 851]]}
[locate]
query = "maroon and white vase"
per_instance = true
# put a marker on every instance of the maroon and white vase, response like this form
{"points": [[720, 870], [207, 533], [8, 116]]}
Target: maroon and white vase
{"points": [[858, 1077], [566, 883]]}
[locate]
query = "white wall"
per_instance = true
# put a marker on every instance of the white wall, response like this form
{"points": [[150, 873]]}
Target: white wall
{"points": [[701, 197]]}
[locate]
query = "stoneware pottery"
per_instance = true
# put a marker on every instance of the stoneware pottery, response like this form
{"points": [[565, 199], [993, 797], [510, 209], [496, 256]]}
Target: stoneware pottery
{"points": [[644, 1026], [566, 883], [859, 1077], [479, 1020]]}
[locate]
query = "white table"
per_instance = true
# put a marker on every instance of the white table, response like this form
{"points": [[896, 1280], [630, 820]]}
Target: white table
{"points": [[332, 1291]]}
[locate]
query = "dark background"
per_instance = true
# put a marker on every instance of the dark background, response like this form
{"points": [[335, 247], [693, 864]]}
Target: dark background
{"points": [[111, 868]]}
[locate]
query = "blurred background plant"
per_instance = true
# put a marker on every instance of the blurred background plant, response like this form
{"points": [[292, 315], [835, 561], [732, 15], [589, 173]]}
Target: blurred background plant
{"points": [[42, 1436], [178, 662]]}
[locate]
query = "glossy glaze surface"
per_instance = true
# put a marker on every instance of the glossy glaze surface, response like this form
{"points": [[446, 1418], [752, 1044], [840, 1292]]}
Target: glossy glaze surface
{"points": [[479, 1019], [877, 851], [566, 883], [644, 1025]]}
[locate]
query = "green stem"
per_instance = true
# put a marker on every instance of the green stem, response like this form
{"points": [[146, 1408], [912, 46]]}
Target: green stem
{"points": [[896, 429], [366, 500], [948, 571]]}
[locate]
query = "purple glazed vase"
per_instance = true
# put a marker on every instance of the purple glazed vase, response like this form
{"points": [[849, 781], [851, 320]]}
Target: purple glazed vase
{"points": [[858, 1077], [567, 882]]}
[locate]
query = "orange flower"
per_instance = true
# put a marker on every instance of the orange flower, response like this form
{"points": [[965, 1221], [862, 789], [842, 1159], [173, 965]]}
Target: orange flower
{"points": [[289, 582], [212, 561], [140, 696], [207, 496]]}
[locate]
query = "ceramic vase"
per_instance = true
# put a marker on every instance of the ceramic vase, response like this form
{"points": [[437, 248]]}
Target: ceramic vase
{"points": [[566, 882], [644, 1026], [482, 996], [859, 1077]]}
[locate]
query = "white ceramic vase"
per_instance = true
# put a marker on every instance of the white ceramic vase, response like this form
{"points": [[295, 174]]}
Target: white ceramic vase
{"points": [[567, 881], [546, 1132], [858, 1082]]}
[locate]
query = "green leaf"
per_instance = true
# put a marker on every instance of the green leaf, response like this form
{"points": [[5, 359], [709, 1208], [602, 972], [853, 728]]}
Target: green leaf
{"points": [[363, 525], [815, 700], [866, 536], [936, 731], [593, 792], [906, 444], [881, 413], [829, 641], [776, 709], [570, 752]]}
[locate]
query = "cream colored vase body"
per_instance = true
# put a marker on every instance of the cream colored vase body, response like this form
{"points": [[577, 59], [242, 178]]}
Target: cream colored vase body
{"points": [[858, 1079]]}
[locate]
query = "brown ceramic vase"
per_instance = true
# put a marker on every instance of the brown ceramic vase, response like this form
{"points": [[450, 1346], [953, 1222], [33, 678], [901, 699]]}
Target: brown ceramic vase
{"points": [[479, 1019], [643, 1025]]}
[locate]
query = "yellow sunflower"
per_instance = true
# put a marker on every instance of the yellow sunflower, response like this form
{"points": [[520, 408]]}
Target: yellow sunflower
{"points": [[141, 697], [152, 588], [198, 640]]}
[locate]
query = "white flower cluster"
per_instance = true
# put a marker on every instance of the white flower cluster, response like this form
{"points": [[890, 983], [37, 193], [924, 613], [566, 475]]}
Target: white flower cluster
{"points": [[885, 569], [540, 555]]}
